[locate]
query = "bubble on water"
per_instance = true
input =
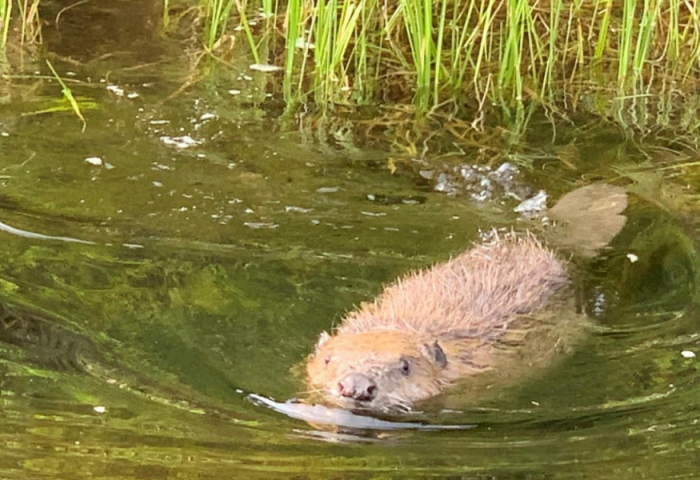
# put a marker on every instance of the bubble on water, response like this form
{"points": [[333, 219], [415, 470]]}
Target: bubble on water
{"points": [[534, 204]]}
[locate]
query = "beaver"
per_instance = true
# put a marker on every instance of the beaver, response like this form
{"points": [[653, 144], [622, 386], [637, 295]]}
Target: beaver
{"points": [[502, 304]]}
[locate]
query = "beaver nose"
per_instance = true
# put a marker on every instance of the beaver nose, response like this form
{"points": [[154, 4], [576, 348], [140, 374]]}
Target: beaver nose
{"points": [[357, 387]]}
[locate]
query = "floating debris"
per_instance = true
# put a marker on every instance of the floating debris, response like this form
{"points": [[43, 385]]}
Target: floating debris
{"points": [[297, 209], [335, 416], [302, 43], [184, 141], [258, 225], [94, 161], [444, 184], [632, 257], [327, 190], [115, 90], [119, 92], [480, 182], [39, 236], [396, 199], [373, 214], [261, 67], [688, 354], [535, 204]]}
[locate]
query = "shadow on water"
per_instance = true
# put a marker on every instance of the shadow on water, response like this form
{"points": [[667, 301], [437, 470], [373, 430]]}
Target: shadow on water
{"points": [[220, 246]]}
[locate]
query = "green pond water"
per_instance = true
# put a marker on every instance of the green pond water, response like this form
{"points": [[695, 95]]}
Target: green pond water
{"points": [[218, 240]]}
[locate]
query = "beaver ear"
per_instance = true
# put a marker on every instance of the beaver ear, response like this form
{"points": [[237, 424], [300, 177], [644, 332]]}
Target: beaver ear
{"points": [[323, 338], [435, 353]]}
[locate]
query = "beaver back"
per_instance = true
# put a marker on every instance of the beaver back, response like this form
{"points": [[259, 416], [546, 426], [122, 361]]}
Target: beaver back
{"points": [[475, 295]]}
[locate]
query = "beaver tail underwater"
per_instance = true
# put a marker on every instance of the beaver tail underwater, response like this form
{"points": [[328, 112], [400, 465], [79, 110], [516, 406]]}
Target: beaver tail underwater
{"points": [[504, 304]]}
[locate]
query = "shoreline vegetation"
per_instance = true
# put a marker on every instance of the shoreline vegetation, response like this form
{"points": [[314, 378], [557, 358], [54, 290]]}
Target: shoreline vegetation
{"points": [[635, 62]]}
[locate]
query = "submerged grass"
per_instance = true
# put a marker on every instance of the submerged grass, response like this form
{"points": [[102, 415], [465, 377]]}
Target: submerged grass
{"points": [[68, 95]]}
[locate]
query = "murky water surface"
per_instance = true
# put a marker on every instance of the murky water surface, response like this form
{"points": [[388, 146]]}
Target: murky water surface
{"points": [[216, 243]]}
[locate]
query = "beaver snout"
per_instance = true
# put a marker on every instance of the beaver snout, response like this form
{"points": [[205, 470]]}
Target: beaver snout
{"points": [[358, 387]]}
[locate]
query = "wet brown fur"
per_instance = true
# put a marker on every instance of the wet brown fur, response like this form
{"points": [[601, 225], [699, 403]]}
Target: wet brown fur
{"points": [[476, 306]]}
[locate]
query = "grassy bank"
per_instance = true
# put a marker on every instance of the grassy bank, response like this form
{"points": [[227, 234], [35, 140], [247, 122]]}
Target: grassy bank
{"points": [[634, 61], [473, 55]]}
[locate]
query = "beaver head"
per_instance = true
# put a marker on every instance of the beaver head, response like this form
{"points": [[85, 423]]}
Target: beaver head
{"points": [[378, 370]]}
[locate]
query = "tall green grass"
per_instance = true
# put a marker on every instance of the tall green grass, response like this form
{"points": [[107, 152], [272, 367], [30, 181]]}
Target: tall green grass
{"points": [[418, 19], [5, 16], [331, 44], [217, 14], [502, 51]]}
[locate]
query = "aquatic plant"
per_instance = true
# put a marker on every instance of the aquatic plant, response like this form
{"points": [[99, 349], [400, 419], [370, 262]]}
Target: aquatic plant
{"points": [[217, 14], [472, 54], [27, 15], [5, 15], [68, 95]]}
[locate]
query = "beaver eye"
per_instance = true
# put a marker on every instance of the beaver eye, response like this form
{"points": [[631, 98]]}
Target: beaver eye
{"points": [[327, 360], [405, 367]]}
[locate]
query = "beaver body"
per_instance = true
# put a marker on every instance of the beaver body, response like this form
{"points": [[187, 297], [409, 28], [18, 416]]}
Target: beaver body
{"points": [[501, 305], [438, 325]]}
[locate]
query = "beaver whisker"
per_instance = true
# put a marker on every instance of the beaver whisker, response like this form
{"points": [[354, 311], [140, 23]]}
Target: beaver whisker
{"points": [[310, 391], [389, 410], [398, 407]]}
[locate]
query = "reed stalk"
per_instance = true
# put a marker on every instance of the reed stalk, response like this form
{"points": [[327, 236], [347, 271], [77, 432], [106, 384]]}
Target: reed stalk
{"points": [[68, 95], [268, 8], [295, 30], [217, 13], [418, 19], [31, 24], [483, 52], [5, 17], [556, 7]]}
